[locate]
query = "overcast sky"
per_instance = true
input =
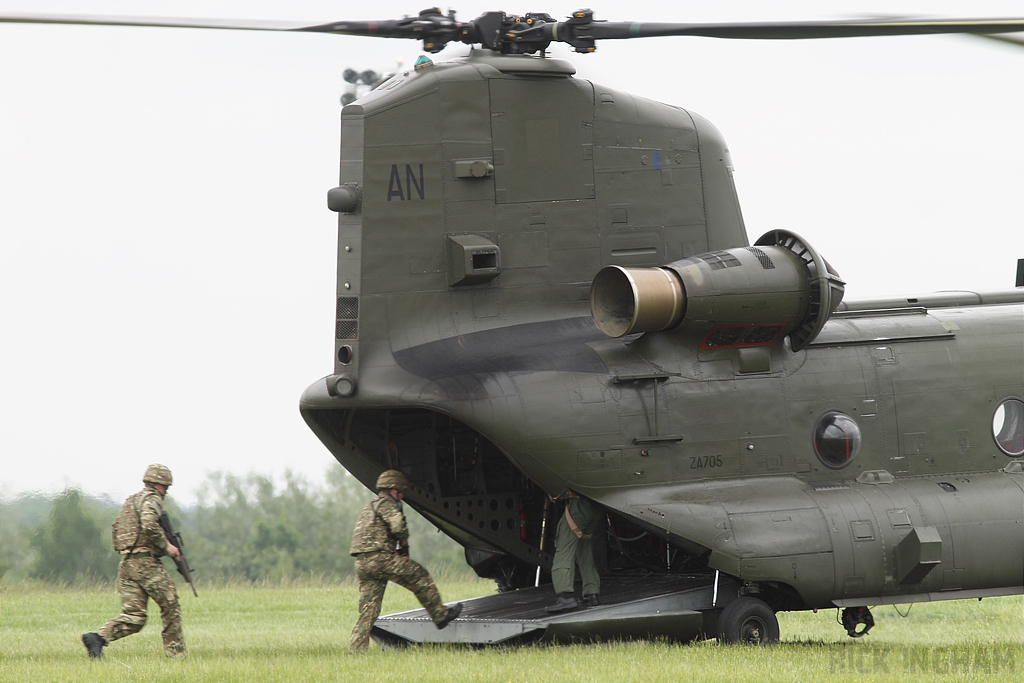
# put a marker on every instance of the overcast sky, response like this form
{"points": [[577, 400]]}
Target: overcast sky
{"points": [[167, 264]]}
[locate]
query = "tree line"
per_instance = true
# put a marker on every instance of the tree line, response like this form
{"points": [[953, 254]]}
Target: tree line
{"points": [[241, 528]]}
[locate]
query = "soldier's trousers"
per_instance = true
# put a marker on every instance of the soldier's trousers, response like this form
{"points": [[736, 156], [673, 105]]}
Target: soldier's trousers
{"points": [[571, 550], [374, 571], [138, 580]]}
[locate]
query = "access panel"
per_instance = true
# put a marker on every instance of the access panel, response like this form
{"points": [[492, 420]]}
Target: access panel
{"points": [[543, 132]]}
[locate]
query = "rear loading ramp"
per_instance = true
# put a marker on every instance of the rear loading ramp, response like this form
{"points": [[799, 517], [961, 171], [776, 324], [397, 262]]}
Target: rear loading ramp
{"points": [[634, 607]]}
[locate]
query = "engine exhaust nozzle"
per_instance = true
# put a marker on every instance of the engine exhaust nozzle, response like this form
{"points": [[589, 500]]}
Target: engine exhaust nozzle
{"points": [[627, 300]]}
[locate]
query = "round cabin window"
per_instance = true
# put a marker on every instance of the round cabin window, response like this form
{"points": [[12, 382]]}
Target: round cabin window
{"points": [[1008, 427], [836, 439]]}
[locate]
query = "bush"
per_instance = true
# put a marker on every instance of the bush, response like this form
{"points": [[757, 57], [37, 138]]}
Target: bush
{"points": [[71, 545]]}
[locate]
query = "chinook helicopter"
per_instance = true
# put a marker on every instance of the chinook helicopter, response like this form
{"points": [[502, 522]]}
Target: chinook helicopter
{"points": [[534, 300]]}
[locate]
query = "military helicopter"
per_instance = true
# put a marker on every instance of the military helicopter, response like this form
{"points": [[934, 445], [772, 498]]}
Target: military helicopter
{"points": [[564, 297]]}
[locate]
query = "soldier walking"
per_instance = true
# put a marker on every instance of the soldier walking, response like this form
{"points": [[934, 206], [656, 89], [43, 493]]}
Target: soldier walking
{"points": [[380, 544], [141, 542]]}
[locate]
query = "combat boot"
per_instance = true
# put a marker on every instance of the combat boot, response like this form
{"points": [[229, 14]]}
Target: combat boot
{"points": [[565, 602], [453, 613], [591, 600], [93, 644]]}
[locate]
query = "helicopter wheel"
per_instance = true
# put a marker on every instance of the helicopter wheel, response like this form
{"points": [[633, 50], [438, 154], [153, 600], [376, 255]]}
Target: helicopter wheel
{"points": [[748, 620]]}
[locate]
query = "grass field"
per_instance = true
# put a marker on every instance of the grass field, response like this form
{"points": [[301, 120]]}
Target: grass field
{"points": [[299, 632]]}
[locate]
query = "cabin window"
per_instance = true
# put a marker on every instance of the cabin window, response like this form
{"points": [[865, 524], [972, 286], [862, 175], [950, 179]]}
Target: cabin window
{"points": [[836, 439], [1008, 427]]}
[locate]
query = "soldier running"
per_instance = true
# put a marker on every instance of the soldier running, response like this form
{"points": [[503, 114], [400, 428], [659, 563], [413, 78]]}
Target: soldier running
{"points": [[141, 542], [380, 544]]}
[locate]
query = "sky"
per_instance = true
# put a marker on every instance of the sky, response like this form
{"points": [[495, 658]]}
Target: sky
{"points": [[167, 275]]}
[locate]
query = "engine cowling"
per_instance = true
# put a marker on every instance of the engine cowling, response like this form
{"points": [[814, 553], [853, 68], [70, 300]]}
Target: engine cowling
{"points": [[781, 280]]}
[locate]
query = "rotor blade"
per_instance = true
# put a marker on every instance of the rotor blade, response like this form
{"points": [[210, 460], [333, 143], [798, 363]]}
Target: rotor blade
{"points": [[164, 22], [402, 28], [1014, 40], [799, 30]]}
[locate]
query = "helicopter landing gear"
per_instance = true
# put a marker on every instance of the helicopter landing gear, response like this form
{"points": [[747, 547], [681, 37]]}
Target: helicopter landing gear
{"points": [[748, 620], [854, 617]]}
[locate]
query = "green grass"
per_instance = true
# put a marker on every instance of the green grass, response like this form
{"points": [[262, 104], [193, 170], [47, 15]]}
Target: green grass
{"points": [[299, 632]]}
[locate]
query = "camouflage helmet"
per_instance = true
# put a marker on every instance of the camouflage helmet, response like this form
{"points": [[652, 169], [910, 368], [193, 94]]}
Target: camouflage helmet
{"points": [[392, 479], [157, 474]]}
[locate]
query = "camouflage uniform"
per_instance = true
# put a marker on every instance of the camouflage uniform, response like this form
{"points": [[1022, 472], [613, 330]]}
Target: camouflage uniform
{"points": [[380, 532], [140, 576], [571, 550]]}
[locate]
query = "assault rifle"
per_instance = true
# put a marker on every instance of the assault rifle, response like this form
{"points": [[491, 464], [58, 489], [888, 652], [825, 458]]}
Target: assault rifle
{"points": [[174, 538]]}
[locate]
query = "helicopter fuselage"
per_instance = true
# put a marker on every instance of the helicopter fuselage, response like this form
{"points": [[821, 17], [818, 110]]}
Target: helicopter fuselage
{"points": [[873, 457]]}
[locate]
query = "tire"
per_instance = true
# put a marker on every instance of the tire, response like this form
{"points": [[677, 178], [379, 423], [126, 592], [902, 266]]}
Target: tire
{"points": [[749, 621]]}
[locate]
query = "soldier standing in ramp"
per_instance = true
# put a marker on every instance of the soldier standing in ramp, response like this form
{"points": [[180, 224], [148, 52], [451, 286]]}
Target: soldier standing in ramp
{"points": [[380, 544], [573, 547], [141, 542]]}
